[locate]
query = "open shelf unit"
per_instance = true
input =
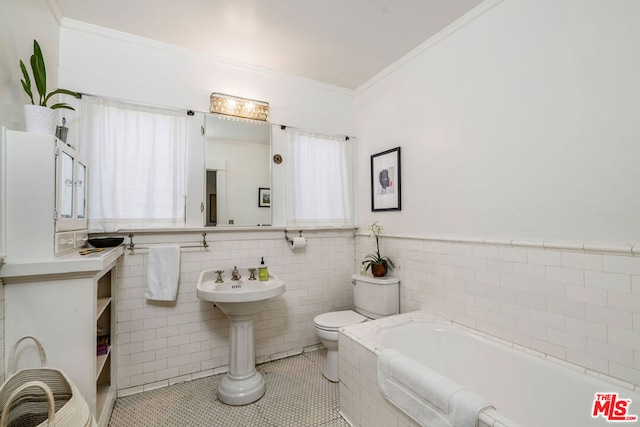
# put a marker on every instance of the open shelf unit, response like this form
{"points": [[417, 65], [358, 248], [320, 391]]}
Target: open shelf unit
{"points": [[105, 288], [66, 312]]}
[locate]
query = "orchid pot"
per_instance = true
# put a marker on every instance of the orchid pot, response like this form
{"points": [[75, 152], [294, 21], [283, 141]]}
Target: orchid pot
{"points": [[378, 270], [379, 264]]}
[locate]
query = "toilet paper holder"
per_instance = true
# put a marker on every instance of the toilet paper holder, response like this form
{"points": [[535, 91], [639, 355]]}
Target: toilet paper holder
{"points": [[296, 242], [286, 236]]}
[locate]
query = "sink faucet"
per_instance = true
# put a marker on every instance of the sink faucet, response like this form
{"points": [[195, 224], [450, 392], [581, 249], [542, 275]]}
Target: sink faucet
{"points": [[235, 275], [219, 273]]}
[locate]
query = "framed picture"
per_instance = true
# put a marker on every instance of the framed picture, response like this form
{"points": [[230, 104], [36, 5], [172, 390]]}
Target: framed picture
{"points": [[385, 181], [264, 197]]}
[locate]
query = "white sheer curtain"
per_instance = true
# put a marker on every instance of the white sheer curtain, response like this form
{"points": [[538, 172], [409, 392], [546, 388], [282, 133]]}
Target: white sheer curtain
{"points": [[318, 180], [136, 159]]}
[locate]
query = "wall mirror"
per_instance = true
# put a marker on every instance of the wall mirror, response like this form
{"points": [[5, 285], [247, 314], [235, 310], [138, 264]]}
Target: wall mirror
{"points": [[238, 171]]}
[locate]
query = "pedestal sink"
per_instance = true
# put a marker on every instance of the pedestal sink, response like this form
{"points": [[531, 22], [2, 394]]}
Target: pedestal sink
{"points": [[240, 300]]}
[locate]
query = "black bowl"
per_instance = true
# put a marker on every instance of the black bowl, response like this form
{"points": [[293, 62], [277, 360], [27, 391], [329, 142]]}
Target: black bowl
{"points": [[105, 242]]}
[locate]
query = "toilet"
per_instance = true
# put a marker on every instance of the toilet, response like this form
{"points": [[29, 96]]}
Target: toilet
{"points": [[374, 297]]}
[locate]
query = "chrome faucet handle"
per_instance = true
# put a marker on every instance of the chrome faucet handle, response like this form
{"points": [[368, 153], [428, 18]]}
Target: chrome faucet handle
{"points": [[252, 275], [219, 278]]}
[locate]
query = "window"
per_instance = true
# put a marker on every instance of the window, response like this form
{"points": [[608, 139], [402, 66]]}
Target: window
{"points": [[136, 159], [318, 180]]}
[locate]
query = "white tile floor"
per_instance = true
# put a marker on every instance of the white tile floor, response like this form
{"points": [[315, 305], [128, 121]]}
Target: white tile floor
{"points": [[297, 395]]}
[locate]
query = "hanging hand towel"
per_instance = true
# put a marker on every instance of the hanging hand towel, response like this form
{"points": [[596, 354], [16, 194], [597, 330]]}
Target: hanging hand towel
{"points": [[163, 271]]}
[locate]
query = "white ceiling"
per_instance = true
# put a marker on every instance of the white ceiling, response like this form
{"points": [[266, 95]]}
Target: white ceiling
{"points": [[340, 42]]}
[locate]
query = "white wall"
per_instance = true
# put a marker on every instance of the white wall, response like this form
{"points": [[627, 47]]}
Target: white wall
{"points": [[108, 63], [22, 21], [521, 125], [519, 138]]}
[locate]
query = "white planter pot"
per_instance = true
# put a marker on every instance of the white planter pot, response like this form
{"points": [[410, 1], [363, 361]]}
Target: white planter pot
{"points": [[40, 119]]}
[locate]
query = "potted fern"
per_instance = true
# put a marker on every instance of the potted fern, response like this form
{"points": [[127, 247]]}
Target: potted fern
{"points": [[379, 264], [38, 117]]}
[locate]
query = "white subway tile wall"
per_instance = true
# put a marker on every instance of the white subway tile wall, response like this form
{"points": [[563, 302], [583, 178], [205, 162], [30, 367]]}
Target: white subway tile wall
{"points": [[161, 343], [582, 307], [576, 305]]}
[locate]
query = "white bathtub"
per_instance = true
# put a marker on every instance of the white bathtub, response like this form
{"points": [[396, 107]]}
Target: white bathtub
{"points": [[527, 389]]}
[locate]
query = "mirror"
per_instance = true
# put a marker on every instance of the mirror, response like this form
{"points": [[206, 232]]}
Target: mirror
{"points": [[238, 171]]}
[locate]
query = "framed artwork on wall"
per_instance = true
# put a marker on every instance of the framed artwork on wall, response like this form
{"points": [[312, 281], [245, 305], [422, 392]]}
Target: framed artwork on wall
{"points": [[264, 197], [385, 181]]}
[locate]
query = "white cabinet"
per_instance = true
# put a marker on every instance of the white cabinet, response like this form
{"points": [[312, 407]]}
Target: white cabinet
{"points": [[44, 202], [71, 190], [67, 304], [64, 299]]}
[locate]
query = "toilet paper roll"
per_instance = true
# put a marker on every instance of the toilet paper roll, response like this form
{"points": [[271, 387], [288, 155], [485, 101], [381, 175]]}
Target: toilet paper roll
{"points": [[298, 242]]}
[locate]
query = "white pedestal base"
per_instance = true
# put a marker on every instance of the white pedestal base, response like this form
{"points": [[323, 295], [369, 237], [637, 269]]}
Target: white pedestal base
{"points": [[241, 391], [242, 384]]}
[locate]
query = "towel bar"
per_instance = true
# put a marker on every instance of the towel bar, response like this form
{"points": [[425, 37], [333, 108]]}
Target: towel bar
{"points": [[132, 246]]}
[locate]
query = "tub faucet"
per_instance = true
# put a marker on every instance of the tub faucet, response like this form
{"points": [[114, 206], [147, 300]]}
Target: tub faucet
{"points": [[235, 275]]}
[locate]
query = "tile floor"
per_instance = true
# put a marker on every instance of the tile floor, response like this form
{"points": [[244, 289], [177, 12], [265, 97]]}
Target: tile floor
{"points": [[297, 395]]}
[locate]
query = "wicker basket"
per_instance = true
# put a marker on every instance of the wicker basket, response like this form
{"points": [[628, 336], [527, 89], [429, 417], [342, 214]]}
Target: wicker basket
{"points": [[41, 396]]}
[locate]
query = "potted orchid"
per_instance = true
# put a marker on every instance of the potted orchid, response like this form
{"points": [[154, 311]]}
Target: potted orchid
{"points": [[379, 264]]}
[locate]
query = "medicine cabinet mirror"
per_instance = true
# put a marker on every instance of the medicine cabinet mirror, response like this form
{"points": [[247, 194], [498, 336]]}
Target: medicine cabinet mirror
{"points": [[238, 171]]}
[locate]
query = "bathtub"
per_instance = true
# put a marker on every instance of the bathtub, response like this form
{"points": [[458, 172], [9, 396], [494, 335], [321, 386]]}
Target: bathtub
{"points": [[526, 388]]}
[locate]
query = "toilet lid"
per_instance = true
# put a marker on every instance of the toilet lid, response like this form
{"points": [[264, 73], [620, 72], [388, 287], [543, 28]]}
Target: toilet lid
{"points": [[338, 319]]}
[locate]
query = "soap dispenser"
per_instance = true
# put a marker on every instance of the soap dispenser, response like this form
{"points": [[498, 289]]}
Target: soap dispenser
{"points": [[263, 271]]}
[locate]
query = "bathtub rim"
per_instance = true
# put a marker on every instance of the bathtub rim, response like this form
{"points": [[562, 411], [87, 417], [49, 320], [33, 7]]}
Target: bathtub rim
{"points": [[365, 335]]}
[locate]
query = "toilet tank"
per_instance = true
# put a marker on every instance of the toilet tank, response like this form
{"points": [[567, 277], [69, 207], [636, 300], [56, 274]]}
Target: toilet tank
{"points": [[376, 297]]}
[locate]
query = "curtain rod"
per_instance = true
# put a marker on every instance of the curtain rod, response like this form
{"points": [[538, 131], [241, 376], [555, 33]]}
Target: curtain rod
{"points": [[138, 103], [283, 127]]}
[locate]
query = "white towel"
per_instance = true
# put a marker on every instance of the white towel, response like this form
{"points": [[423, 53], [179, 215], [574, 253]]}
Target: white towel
{"points": [[429, 398], [163, 271]]}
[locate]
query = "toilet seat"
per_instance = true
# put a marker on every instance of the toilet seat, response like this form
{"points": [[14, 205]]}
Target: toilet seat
{"points": [[334, 320]]}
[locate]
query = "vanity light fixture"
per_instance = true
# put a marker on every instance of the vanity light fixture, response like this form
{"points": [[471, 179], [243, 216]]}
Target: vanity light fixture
{"points": [[239, 107]]}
